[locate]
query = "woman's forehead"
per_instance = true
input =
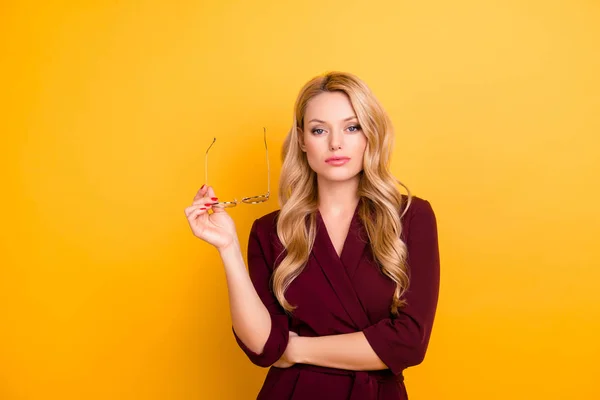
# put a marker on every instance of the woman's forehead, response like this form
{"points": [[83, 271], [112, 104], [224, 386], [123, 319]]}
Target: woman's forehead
{"points": [[329, 107]]}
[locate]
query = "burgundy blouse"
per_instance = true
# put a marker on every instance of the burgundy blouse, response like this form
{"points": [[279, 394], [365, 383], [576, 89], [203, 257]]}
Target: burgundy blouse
{"points": [[336, 295]]}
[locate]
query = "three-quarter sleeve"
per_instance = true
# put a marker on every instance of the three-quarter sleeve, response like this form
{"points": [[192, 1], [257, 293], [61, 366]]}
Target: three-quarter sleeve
{"points": [[260, 270], [401, 341]]}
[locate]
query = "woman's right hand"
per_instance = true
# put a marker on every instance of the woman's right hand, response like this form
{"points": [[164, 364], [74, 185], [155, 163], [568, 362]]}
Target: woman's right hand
{"points": [[217, 228]]}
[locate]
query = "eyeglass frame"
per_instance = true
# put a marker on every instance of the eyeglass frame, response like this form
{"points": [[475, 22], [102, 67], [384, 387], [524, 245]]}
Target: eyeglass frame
{"points": [[247, 200]]}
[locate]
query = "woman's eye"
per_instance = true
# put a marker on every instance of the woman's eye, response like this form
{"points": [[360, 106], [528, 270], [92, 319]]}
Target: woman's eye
{"points": [[354, 128], [317, 131]]}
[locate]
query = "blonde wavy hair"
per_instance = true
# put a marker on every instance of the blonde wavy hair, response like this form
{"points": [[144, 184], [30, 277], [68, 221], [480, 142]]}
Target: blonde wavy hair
{"points": [[381, 201]]}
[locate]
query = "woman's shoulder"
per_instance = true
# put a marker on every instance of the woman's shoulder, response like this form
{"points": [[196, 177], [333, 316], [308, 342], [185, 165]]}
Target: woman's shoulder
{"points": [[264, 232], [418, 208], [266, 225], [417, 204], [268, 219]]}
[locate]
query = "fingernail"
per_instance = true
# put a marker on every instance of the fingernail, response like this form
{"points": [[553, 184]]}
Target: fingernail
{"points": [[203, 186], [203, 208], [208, 204], [214, 198]]}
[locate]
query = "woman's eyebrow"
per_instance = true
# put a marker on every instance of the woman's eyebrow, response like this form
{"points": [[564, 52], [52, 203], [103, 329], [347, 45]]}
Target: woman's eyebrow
{"points": [[318, 120]]}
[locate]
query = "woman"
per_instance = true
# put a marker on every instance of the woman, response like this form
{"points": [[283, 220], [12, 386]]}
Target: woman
{"points": [[342, 282]]}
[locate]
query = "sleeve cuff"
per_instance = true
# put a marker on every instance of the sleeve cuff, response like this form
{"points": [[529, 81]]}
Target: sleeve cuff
{"points": [[274, 347]]}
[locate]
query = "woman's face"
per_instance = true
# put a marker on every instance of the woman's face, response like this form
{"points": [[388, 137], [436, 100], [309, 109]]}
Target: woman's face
{"points": [[332, 139]]}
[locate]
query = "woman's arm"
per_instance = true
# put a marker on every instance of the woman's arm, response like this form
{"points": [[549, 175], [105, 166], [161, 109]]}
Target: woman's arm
{"points": [[250, 318], [397, 342], [260, 325], [349, 351]]}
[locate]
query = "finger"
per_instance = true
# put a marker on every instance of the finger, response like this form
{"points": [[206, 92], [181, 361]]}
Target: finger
{"points": [[196, 214], [205, 201], [282, 364], [191, 209], [201, 192], [211, 193]]}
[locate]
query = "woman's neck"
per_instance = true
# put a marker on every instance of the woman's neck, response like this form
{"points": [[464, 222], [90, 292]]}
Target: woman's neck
{"points": [[338, 198]]}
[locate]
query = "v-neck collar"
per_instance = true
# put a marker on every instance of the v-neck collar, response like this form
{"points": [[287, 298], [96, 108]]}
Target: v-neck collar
{"points": [[339, 270], [351, 237]]}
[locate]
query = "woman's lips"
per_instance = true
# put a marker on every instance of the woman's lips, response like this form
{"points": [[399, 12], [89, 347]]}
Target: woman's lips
{"points": [[337, 161]]}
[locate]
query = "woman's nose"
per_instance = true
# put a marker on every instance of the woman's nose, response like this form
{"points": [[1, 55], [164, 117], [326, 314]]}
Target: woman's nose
{"points": [[335, 142]]}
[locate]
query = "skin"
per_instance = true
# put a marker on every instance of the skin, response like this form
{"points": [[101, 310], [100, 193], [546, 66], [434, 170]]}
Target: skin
{"points": [[331, 129]]}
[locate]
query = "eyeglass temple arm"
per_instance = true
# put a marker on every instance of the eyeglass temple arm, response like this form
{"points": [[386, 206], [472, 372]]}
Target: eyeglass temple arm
{"points": [[268, 168], [206, 162]]}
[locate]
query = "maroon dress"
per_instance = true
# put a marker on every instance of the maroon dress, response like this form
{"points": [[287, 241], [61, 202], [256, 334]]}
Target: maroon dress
{"points": [[336, 295]]}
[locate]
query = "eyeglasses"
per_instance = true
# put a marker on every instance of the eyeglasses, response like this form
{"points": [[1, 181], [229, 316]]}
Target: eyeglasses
{"points": [[248, 200]]}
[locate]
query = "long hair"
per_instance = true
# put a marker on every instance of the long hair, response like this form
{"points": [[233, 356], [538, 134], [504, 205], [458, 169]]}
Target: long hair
{"points": [[381, 201]]}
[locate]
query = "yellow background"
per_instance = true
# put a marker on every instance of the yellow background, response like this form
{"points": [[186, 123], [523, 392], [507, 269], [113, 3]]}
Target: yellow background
{"points": [[108, 107]]}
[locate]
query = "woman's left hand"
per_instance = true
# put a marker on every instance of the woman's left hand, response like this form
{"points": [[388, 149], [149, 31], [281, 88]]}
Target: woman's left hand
{"points": [[289, 356]]}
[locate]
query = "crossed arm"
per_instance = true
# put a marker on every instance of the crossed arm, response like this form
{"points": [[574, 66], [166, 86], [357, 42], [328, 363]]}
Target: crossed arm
{"points": [[395, 343]]}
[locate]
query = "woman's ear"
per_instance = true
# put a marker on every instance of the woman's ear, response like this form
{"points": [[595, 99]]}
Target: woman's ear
{"points": [[301, 139]]}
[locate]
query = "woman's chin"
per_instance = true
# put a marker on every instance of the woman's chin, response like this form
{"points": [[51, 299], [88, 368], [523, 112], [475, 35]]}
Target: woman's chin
{"points": [[341, 176]]}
